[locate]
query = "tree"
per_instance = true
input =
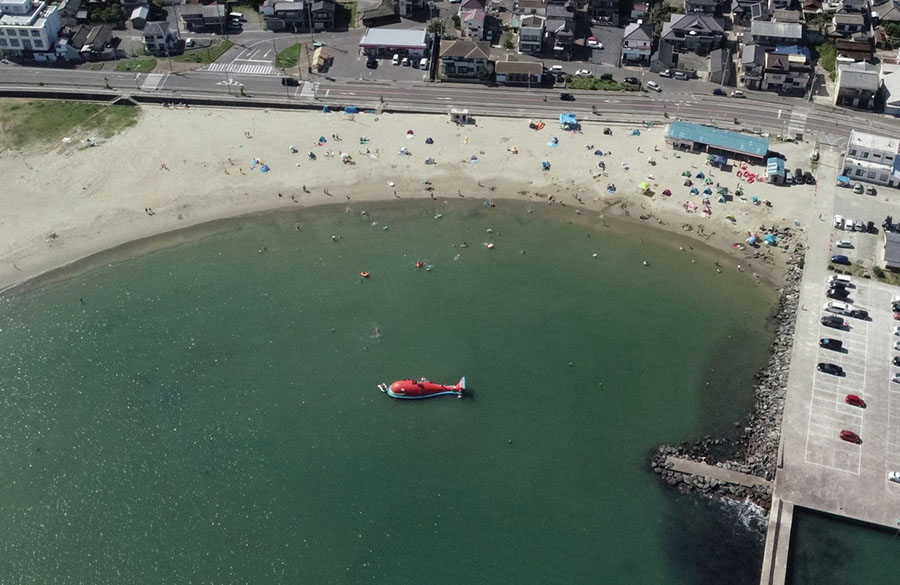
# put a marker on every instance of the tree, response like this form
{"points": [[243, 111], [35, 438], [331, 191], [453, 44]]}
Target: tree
{"points": [[660, 14], [111, 14], [436, 27]]}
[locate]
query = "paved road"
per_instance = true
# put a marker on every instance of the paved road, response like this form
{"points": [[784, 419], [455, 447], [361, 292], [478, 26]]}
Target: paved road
{"points": [[768, 113]]}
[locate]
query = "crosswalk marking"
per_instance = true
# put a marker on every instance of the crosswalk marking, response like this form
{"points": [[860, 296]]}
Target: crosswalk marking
{"points": [[151, 82], [797, 123], [309, 89], [244, 69]]}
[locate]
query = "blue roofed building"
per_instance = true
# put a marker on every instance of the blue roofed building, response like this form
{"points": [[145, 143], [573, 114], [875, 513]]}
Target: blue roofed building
{"points": [[697, 138], [775, 170]]}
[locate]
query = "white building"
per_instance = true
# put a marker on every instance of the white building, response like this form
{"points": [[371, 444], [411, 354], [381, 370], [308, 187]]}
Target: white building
{"points": [[873, 159], [28, 29]]}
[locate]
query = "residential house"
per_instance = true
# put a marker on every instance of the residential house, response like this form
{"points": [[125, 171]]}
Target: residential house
{"points": [[664, 58], [407, 8], [772, 34], [753, 64], [87, 43], [68, 11], [743, 12], [890, 91], [464, 59], [637, 43], [698, 33], [604, 11], [886, 10], [640, 10], [854, 5], [856, 85], [785, 15], [849, 23], [518, 72], [786, 73], [560, 25], [526, 7], [29, 29], [379, 13], [531, 35], [471, 19], [858, 47], [139, 17], [159, 39], [701, 6], [873, 159], [295, 16], [778, 5], [198, 17]]}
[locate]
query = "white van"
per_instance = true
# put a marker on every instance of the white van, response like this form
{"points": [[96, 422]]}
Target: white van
{"points": [[396, 59], [423, 63], [837, 308], [842, 278], [238, 16], [654, 86], [838, 222], [680, 75], [556, 69]]}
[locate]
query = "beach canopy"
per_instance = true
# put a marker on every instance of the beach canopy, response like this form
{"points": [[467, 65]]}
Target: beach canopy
{"points": [[721, 160], [322, 139], [645, 186], [722, 190], [686, 173], [350, 110], [700, 176], [770, 239], [843, 179], [429, 140], [568, 121], [694, 190]]}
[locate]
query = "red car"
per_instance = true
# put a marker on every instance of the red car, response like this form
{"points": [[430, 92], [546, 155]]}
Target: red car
{"points": [[850, 437], [854, 400]]}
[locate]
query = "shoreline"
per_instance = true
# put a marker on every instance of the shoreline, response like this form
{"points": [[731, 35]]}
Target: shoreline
{"points": [[201, 178]]}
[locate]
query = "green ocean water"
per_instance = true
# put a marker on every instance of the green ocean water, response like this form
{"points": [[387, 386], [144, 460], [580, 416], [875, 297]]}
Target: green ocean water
{"points": [[208, 412], [828, 550]]}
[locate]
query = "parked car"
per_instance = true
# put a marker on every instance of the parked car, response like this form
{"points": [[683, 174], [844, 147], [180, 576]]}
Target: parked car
{"points": [[423, 63], [896, 360], [894, 476], [840, 279], [850, 437], [372, 63], [395, 60], [839, 294], [680, 75], [632, 81], [828, 368], [594, 43], [567, 97], [897, 346], [838, 222], [406, 62], [808, 178], [858, 188], [832, 344], [859, 314], [289, 81], [189, 42], [837, 307], [897, 330], [844, 244], [840, 259], [738, 94], [848, 224], [871, 227], [870, 190], [654, 86], [798, 174], [896, 377], [833, 321], [666, 73], [854, 400], [556, 69], [859, 226], [583, 73], [719, 91]]}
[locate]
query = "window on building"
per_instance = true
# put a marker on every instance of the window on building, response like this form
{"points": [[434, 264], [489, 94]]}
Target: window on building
{"points": [[852, 152], [13, 42], [883, 178], [26, 44], [865, 155], [2, 32], [35, 33], [871, 175], [859, 172], [876, 155], [38, 44], [2, 42]]}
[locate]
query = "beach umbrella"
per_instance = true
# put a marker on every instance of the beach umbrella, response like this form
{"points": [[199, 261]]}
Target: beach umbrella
{"points": [[708, 181], [645, 186], [686, 174]]}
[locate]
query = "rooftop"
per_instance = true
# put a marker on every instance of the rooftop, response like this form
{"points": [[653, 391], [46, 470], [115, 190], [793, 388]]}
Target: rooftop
{"points": [[395, 38], [860, 76], [724, 139], [873, 141], [783, 30], [532, 67], [466, 49]]}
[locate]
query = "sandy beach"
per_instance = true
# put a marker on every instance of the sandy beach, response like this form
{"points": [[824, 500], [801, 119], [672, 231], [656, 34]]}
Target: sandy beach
{"points": [[182, 167]]}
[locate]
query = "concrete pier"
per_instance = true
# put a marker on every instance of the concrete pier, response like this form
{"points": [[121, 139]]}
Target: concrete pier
{"points": [[717, 473], [778, 542]]}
